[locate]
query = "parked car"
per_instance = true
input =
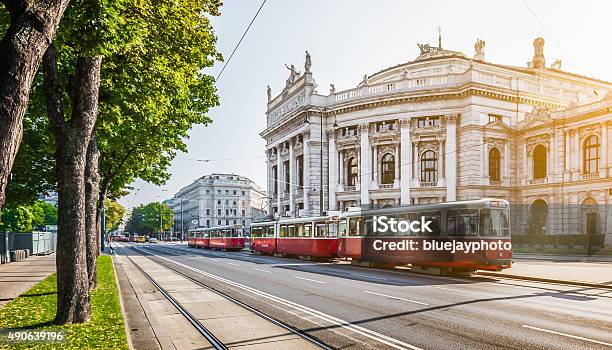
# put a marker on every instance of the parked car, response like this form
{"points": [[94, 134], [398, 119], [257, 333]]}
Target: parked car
{"points": [[153, 240]]}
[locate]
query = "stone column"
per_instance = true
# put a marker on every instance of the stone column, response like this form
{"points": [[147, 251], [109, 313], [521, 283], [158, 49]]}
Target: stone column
{"points": [[576, 154], [291, 178], [364, 165], [341, 176], [306, 189], [375, 166], [451, 158], [568, 154], [279, 181], [333, 169], [406, 161], [506, 174], [525, 161], [441, 156], [485, 162], [603, 160], [271, 184], [396, 170]]}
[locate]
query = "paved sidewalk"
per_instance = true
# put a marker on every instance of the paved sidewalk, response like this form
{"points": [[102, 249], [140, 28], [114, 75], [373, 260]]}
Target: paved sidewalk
{"points": [[154, 323], [596, 273], [17, 277]]}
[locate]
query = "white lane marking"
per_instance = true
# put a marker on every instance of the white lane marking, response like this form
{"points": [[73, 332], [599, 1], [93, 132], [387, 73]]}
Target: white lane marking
{"points": [[213, 259], [368, 276], [266, 271], [381, 338], [308, 279], [233, 264], [396, 298], [568, 335]]}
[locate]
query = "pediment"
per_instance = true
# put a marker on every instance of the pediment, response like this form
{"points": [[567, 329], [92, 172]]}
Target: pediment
{"points": [[498, 125], [534, 122]]}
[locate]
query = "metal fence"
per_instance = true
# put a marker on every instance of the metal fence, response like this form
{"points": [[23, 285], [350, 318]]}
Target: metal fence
{"points": [[37, 243]]}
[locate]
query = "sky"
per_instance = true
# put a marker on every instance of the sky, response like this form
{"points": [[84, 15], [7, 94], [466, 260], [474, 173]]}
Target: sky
{"points": [[350, 38]]}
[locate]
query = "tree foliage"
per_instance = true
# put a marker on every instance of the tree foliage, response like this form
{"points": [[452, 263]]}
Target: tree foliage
{"points": [[146, 218], [26, 217], [114, 213], [152, 94]]}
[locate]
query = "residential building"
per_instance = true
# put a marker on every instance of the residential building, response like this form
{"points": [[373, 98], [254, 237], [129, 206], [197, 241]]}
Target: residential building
{"points": [[218, 199]]}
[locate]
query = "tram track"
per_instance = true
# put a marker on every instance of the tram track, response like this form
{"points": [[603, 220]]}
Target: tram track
{"points": [[215, 342]]}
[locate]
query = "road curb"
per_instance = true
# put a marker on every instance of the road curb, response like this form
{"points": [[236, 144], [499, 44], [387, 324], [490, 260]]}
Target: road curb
{"points": [[547, 280]]}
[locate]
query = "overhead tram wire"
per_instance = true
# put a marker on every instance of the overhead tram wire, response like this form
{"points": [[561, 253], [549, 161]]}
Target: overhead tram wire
{"points": [[240, 41]]}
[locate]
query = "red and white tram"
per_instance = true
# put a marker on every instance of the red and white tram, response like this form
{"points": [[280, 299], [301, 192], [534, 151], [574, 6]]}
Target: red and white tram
{"points": [[314, 237], [230, 237], [198, 238], [484, 220]]}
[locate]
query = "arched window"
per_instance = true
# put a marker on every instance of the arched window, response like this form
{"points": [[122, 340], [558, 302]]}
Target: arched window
{"points": [[494, 164], [538, 216], [429, 167], [590, 155], [351, 171], [387, 169], [539, 162]]}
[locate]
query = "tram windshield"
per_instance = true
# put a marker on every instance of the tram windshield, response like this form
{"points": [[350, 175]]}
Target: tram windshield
{"points": [[494, 223], [462, 222]]}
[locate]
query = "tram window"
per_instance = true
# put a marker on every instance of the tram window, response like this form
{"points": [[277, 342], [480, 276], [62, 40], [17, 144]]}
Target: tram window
{"points": [[434, 217], [367, 229], [408, 217], [342, 228], [308, 230], [299, 230], [320, 229], [256, 231], [283, 231], [353, 226], [332, 229], [291, 231], [462, 223], [494, 223]]}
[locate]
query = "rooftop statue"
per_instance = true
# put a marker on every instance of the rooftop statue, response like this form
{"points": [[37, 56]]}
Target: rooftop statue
{"points": [[293, 75], [332, 89], [269, 94], [307, 63]]}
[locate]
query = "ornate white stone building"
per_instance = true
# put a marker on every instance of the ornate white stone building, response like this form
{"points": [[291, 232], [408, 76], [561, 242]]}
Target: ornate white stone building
{"points": [[445, 127], [218, 199]]}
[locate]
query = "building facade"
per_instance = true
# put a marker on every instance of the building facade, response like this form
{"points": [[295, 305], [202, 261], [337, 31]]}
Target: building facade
{"points": [[216, 200], [445, 127]]}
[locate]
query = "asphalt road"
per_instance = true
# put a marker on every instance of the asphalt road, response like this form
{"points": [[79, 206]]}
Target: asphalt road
{"points": [[362, 308]]}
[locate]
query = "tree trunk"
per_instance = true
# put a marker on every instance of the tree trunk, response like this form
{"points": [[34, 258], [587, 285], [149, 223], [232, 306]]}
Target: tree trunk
{"points": [[99, 210], [92, 189], [72, 139], [21, 49]]}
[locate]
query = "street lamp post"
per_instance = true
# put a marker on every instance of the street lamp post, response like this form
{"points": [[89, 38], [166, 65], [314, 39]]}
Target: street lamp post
{"points": [[306, 121]]}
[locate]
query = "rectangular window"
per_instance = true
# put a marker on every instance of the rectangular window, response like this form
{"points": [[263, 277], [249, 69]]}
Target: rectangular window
{"points": [[462, 222], [218, 201], [227, 192], [300, 170], [287, 175], [494, 118], [218, 222], [227, 222], [226, 212], [219, 212], [428, 122], [243, 193], [207, 223], [275, 177], [243, 213], [207, 212]]}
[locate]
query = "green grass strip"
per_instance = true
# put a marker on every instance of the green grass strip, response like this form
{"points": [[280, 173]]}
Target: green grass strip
{"points": [[36, 310]]}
